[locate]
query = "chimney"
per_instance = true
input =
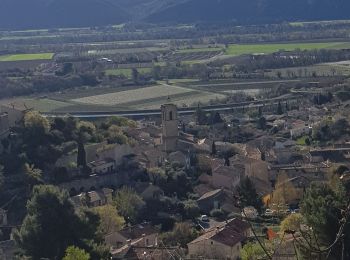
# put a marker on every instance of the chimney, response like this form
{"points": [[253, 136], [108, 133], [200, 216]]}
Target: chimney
{"points": [[128, 242], [217, 229]]}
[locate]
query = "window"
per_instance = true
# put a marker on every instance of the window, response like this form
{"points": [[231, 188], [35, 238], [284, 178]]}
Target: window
{"points": [[171, 115]]}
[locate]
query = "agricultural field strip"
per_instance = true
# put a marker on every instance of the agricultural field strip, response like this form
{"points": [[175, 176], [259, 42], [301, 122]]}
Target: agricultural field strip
{"points": [[161, 99], [327, 69], [240, 49], [45, 105], [321, 69], [345, 63], [202, 97], [126, 71], [194, 50], [87, 92], [133, 95], [27, 57], [320, 22], [124, 51], [42, 105], [250, 91], [192, 56], [237, 84], [87, 107]]}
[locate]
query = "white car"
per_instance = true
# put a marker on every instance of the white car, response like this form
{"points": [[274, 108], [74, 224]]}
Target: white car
{"points": [[269, 212], [204, 218]]}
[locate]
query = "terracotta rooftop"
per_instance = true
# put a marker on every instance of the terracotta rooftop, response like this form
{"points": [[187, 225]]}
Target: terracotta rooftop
{"points": [[95, 196], [230, 171], [135, 232], [229, 234], [100, 162]]}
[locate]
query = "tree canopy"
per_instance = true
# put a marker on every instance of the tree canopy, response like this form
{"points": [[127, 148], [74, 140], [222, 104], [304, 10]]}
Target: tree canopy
{"points": [[128, 203], [182, 234], [110, 220], [292, 222], [51, 225], [34, 121], [2, 179], [252, 251], [322, 209], [75, 253]]}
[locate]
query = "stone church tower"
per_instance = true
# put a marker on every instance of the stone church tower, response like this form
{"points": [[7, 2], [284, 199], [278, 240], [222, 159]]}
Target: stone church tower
{"points": [[170, 123]]}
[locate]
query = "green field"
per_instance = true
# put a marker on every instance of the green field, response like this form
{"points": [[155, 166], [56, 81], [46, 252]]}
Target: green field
{"points": [[126, 72], [198, 50], [24, 57], [240, 49]]}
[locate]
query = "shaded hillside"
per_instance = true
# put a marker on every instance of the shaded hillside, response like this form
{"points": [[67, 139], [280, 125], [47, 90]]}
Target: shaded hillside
{"points": [[139, 9], [253, 11], [24, 14], [18, 14]]}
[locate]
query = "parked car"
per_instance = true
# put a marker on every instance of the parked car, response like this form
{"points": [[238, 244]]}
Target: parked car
{"points": [[204, 218]]}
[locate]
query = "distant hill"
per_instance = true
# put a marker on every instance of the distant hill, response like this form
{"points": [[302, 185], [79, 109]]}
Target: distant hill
{"points": [[253, 11], [140, 9], [25, 14], [20, 14]]}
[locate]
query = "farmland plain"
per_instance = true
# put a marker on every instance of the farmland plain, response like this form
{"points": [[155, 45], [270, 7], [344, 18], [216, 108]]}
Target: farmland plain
{"points": [[135, 95], [150, 97]]}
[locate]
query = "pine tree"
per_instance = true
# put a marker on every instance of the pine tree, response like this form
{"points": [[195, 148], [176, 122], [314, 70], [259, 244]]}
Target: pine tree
{"points": [[279, 108], [213, 148], [260, 112], [81, 158], [248, 195]]}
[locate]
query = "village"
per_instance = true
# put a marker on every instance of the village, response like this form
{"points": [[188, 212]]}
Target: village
{"points": [[206, 184]]}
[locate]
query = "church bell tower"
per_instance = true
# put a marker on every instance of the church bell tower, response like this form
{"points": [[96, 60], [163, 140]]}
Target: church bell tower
{"points": [[170, 123]]}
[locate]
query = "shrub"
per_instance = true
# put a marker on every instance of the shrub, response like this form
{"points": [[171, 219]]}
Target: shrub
{"points": [[217, 213]]}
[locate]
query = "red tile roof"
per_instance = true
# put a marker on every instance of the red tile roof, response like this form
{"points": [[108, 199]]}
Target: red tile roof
{"points": [[230, 234]]}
